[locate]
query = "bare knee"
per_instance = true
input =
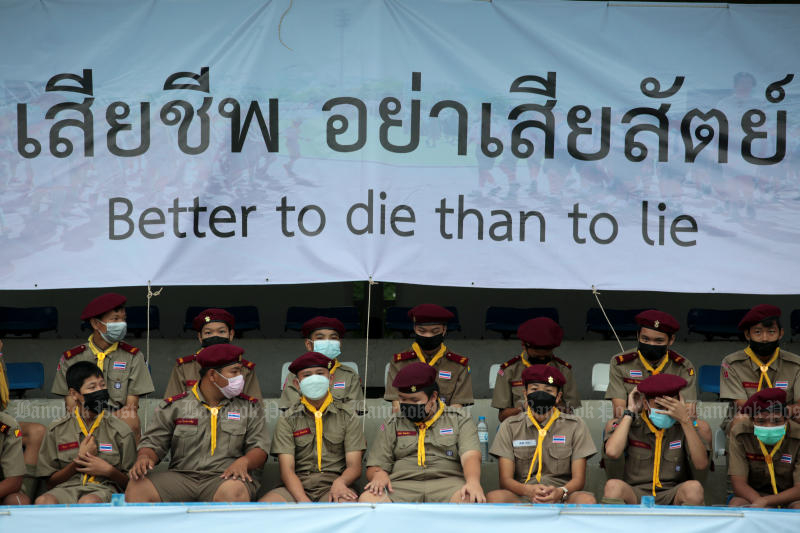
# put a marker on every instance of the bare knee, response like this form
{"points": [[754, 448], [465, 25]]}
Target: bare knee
{"points": [[501, 496], [273, 496], [142, 491], [89, 498], [615, 488], [46, 499], [690, 493], [582, 498], [232, 491], [738, 502], [368, 497], [32, 434], [16, 498], [794, 505]]}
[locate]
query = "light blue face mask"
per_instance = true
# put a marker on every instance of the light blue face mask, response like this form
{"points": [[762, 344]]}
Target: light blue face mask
{"points": [[315, 386], [769, 435], [660, 420], [115, 331], [329, 348]]}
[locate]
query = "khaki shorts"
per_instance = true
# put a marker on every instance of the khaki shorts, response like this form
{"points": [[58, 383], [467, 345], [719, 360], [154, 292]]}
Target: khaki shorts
{"points": [[429, 491], [72, 491], [663, 496], [316, 484], [188, 487]]}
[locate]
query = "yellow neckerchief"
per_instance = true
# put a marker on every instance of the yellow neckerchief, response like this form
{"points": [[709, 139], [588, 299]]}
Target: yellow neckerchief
{"points": [[101, 355], [542, 433], [659, 433], [214, 412], [423, 427], [336, 365], [435, 358], [763, 367], [523, 359], [87, 434], [318, 423], [768, 459], [652, 370], [4, 393]]}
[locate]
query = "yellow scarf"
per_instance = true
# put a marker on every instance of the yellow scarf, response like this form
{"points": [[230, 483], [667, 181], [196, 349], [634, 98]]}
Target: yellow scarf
{"points": [[659, 433], [4, 394], [658, 369], [423, 427], [86, 477], [336, 365], [768, 459], [318, 423], [763, 367], [101, 355], [542, 433], [214, 412], [435, 359], [523, 359]]}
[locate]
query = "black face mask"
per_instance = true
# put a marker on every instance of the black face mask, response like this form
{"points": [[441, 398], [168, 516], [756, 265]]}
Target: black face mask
{"points": [[429, 343], [539, 359], [653, 352], [415, 412], [211, 341], [96, 401], [541, 401], [763, 349]]}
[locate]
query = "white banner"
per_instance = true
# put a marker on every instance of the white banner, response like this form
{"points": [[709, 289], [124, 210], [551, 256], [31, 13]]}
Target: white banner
{"points": [[494, 144]]}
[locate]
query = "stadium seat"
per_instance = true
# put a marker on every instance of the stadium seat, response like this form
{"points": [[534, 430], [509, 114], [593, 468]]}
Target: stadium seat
{"points": [[246, 316], [708, 379], [386, 373], [715, 323], [284, 373], [27, 320], [23, 377], [397, 320], [297, 316], [137, 319], [622, 319], [493, 375], [506, 320], [600, 376], [720, 443], [794, 323]]}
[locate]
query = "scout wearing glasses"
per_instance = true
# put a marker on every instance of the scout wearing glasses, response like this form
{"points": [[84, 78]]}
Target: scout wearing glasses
{"points": [[542, 451]]}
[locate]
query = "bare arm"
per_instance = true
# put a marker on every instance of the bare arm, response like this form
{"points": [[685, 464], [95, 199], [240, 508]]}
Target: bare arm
{"points": [[290, 479]]}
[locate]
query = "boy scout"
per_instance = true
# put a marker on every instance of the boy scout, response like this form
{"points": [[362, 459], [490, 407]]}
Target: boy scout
{"points": [[213, 326], [319, 445], [539, 337], [124, 369], [324, 335], [12, 464], [542, 452], [87, 453], [761, 365], [427, 452], [453, 375], [763, 461], [657, 452], [215, 434]]}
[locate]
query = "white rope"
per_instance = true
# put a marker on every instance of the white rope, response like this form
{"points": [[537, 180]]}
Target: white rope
{"points": [[597, 297], [150, 295], [370, 283]]}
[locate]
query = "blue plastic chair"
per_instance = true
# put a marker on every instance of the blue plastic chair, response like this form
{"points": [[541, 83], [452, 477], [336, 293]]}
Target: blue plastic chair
{"points": [[715, 323], [506, 320], [23, 377], [708, 379]]}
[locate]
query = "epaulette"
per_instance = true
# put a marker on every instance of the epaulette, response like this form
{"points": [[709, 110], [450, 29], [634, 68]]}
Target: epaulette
{"points": [[460, 359], [404, 356], [624, 358], [250, 399], [186, 359], [72, 352], [681, 360], [562, 362], [128, 348], [510, 362], [171, 399], [248, 364], [5, 428]]}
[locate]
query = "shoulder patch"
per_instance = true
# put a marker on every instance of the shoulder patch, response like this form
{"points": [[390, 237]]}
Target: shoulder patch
{"points": [[624, 358], [186, 359], [679, 359], [248, 398], [562, 362], [510, 362], [128, 348], [171, 399], [72, 352], [5, 428], [248, 364], [404, 356], [460, 359]]}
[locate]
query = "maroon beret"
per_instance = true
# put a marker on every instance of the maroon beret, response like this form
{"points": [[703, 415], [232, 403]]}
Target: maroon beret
{"points": [[543, 374], [103, 304], [310, 360], [219, 355], [658, 320], [662, 385], [770, 400], [758, 314], [541, 332], [213, 315], [430, 314], [414, 377], [323, 322]]}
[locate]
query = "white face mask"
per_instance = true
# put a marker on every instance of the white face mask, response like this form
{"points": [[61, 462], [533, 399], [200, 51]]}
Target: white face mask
{"points": [[315, 386], [115, 331], [329, 348], [234, 387]]}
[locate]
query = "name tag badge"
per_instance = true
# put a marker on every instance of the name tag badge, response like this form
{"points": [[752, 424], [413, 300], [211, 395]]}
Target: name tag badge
{"points": [[524, 443]]}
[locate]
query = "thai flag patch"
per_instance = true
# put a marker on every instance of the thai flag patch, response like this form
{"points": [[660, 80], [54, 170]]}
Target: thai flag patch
{"points": [[786, 458], [636, 373], [105, 447], [233, 415], [782, 384], [338, 384], [559, 439], [446, 431], [120, 365], [500, 372], [675, 445], [444, 374]]}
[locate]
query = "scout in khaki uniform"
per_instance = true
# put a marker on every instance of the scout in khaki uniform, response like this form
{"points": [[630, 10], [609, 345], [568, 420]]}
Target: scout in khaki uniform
{"points": [[213, 326], [324, 335], [452, 370], [539, 337], [87, 453], [761, 365], [12, 464], [660, 447], [215, 434], [764, 462], [319, 444], [542, 451], [427, 452], [124, 369]]}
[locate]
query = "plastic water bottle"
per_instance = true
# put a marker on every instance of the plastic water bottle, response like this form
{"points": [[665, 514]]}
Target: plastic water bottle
{"points": [[483, 438]]}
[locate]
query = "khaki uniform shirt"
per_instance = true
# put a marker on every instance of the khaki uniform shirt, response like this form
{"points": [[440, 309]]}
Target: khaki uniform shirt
{"points": [[454, 379], [114, 439], [567, 440], [509, 391], [395, 447], [627, 371], [182, 425], [124, 370], [740, 375], [345, 388], [186, 373], [12, 463], [296, 435], [746, 459]]}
